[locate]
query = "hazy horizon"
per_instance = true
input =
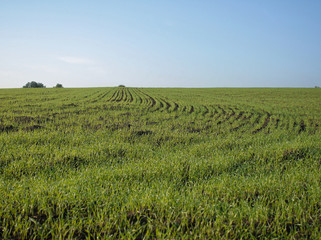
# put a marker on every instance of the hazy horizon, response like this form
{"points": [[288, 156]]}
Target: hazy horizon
{"points": [[199, 44]]}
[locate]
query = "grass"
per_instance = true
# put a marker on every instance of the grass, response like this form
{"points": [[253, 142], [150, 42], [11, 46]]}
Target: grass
{"points": [[160, 163]]}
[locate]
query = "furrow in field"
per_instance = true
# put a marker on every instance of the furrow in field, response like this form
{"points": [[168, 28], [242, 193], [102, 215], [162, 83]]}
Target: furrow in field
{"points": [[121, 95], [160, 104], [277, 122], [124, 99], [239, 115], [230, 115], [176, 106], [300, 126], [222, 109], [111, 99], [92, 97], [264, 125], [97, 97], [131, 98], [246, 122], [115, 96], [239, 126], [137, 97], [167, 104], [125, 95], [220, 117], [219, 114], [144, 98], [191, 109], [274, 123], [151, 100], [101, 97], [206, 110], [213, 111], [256, 120], [225, 116]]}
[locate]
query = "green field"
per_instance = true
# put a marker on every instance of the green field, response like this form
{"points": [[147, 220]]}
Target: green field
{"points": [[150, 163]]}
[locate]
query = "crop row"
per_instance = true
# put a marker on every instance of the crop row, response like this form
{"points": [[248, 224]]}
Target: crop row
{"points": [[224, 117]]}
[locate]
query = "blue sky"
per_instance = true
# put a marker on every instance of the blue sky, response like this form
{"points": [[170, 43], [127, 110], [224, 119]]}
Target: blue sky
{"points": [[168, 43]]}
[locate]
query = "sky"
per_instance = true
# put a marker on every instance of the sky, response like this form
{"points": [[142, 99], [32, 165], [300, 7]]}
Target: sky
{"points": [[165, 43]]}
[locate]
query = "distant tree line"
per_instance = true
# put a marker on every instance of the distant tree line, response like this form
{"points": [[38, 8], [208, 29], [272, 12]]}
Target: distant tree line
{"points": [[58, 85], [34, 84]]}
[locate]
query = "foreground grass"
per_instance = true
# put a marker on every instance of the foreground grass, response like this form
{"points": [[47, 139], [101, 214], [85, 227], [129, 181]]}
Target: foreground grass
{"points": [[160, 163]]}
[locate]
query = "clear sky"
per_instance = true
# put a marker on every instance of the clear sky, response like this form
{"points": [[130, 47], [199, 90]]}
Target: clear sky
{"points": [[165, 43]]}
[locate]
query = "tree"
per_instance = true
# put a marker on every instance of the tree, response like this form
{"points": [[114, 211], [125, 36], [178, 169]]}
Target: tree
{"points": [[121, 85], [59, 85], [34, 84]]}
